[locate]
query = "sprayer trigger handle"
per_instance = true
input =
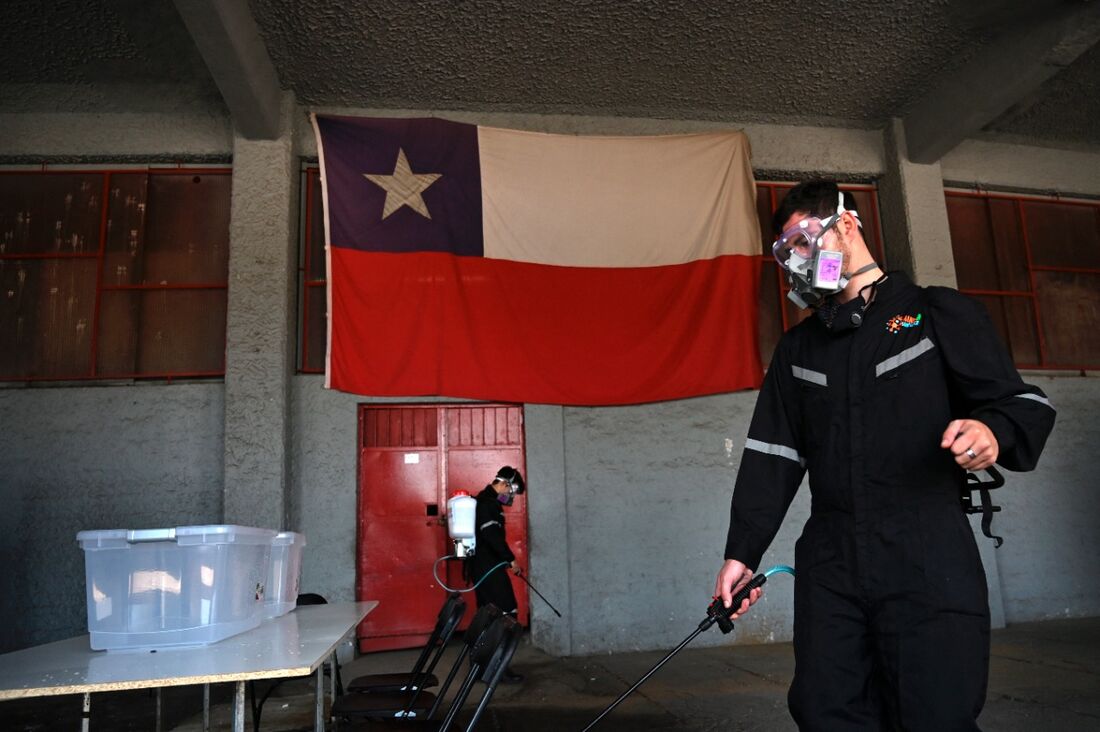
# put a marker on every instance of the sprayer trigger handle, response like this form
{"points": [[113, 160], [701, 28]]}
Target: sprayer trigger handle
{"points": [[721, 614]]}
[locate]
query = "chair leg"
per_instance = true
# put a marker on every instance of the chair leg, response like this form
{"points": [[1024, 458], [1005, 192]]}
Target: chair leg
{"points": [[258, 706]]}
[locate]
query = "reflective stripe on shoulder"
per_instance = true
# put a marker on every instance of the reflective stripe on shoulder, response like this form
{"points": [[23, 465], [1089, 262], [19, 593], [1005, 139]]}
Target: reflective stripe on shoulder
{"points": [[769, 448], [1036, 398], [814, 377], [489, 523], [904, 357]]}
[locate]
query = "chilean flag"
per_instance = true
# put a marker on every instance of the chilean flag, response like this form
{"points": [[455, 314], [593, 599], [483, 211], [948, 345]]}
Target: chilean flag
{"points": [[503, 265]]}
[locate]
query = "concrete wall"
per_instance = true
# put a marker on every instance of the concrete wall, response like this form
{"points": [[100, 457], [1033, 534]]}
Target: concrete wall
{"points": [[649, 491], [112, 122], [322, 499], [997, 165], [1050, 560], [97, 457], [628, 506]]}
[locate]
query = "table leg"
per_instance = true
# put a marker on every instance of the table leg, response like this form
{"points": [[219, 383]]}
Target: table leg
{"points": [[86, 713], [206, 708], [238, 708], [332, 688], [160, 710], [319, 700]]}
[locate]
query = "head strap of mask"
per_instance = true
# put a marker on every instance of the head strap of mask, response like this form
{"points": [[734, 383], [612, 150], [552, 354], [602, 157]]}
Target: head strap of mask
{"points": [[820, 277]]}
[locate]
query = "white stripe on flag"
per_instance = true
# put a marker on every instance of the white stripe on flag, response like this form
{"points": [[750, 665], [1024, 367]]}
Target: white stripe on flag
{"points": [[582, 201]]}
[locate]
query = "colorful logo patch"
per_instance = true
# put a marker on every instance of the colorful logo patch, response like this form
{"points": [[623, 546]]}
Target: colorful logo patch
{"points": [[898, 322]]}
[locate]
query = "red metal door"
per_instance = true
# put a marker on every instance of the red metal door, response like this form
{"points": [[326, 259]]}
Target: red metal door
{"points": [[411, 459], [480, 439]]}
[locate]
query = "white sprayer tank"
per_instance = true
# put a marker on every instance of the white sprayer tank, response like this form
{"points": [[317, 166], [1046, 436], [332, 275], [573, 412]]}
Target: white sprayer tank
{"points": [[461, 522]]}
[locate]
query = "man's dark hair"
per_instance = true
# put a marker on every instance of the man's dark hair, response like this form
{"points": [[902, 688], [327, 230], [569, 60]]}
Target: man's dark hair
{"points": [[816, 197]]}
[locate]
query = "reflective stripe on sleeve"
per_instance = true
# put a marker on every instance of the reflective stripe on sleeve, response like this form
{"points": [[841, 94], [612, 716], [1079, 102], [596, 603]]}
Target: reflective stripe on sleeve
{"points": [[905, 356], [1036, 398], [489, 523], [814, 377], [769, 448]]}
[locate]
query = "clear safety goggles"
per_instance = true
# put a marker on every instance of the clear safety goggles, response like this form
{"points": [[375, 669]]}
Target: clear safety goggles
{"points": [[802, 240]]}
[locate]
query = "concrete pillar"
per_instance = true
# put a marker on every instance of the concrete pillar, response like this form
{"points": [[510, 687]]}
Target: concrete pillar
{"points": [[914, 214], [918, 241], [548, 527], [261, 325]]}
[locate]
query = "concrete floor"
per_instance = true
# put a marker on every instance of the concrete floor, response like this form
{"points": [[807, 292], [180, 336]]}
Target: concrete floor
{"points": [[1042, 675]]}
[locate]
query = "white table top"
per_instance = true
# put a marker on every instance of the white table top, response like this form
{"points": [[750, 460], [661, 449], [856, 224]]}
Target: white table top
{"points": [[291, 645]]}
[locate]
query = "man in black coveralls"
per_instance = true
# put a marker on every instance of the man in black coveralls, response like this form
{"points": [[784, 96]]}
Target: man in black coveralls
{"points": [[886, 395], [492, 548]]}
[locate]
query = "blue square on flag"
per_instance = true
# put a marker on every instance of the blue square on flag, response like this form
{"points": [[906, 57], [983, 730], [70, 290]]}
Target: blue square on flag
{"points": [[399, 185]]}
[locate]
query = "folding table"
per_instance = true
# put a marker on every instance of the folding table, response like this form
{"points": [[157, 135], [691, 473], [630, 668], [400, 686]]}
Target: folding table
{"points": [[296, 644]]}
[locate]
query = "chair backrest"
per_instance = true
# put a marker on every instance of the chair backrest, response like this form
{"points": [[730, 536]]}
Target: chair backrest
{"points": [[485, 616], [493, 669], [454, 607], [483, 619], [489, 657], [449, 616], [493, 656]]}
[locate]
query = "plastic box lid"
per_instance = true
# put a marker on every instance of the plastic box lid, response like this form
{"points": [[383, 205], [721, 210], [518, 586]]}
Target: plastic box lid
{"points": [[182, 535]]}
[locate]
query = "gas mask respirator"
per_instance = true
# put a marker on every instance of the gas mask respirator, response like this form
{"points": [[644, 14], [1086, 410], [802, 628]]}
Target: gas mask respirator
{"points": [[814, 273], [508, 498]]}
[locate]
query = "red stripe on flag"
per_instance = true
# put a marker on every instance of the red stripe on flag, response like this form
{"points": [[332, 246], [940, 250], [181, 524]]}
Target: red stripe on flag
{"points": [[417, 324]]}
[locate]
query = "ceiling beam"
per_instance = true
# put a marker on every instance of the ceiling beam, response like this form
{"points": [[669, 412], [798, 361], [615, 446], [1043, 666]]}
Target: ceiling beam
{"points": [[229, 40], [1006, 73]]}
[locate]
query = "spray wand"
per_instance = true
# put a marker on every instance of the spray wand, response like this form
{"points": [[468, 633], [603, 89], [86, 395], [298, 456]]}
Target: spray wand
{"points": [[718, 613]]}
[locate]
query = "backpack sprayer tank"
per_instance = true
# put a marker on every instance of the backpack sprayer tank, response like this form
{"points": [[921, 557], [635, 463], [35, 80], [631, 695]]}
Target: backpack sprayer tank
{"points": [[461, 522]]}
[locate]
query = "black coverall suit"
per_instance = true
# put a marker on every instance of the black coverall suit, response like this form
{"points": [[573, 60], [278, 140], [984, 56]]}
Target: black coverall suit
{"points": [[891, 624], [491, 548]]}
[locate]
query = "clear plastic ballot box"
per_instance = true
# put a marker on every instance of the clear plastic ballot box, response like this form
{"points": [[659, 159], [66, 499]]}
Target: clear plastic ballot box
{"points": [[182, 586]]}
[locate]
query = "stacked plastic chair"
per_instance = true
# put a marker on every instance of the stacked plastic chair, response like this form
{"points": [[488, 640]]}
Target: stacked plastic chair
{"points": [[489, 643], [421, 676]]}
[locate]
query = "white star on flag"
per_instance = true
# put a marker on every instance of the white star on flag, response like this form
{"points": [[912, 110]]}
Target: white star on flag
{"points": [[404, 187]]}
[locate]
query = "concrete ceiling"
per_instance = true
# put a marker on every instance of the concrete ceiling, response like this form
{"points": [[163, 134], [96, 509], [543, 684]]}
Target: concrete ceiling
{"points": [[99, 55], [808, 62]]}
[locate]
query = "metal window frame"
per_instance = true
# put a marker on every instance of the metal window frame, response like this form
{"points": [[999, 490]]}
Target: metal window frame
{"points": [[1018, 200], [309, 172], [106, 171]]}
